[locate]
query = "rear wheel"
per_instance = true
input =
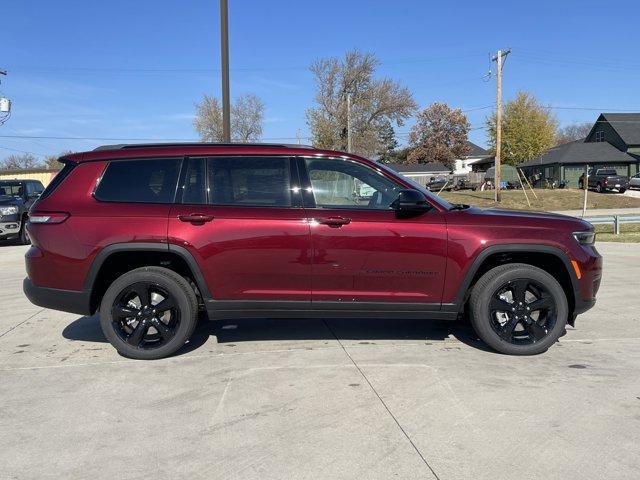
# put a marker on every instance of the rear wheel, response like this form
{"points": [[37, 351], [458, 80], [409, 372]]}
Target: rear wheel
{"points": [[599, 188], [622, 190], [148, 313], [518, 309]]}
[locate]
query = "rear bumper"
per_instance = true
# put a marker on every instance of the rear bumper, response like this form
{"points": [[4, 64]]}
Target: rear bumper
{"points": [[65, 300]]}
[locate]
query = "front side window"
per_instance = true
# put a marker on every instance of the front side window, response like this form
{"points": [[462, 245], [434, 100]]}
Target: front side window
{"points": [[340, 183], [249, 181], [139, 181]]}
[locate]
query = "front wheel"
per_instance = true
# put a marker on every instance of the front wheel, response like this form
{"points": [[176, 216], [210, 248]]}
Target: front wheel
{"points": [[148, 313], [518, 309], [23, 235]]}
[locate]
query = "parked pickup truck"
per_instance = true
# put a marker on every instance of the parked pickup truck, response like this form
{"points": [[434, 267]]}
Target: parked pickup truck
{"points": [[16, 197], [603, 179]]}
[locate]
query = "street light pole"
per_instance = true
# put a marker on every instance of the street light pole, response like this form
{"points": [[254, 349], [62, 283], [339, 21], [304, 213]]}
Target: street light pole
{"points": [[224, 46], [348, 122]]}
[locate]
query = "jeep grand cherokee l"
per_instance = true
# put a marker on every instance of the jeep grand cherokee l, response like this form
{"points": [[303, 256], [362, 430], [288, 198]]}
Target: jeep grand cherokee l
{"points": [[148, 235]]}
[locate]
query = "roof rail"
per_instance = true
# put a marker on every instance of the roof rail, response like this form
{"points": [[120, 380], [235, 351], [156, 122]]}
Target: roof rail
{"points": [[128, 146]]}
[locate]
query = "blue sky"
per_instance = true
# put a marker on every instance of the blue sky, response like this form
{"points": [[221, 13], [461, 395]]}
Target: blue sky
{"points": [[134, 69]]}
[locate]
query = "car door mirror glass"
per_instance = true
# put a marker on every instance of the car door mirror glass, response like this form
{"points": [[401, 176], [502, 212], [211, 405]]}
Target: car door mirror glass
{"points": [[410, 201]]}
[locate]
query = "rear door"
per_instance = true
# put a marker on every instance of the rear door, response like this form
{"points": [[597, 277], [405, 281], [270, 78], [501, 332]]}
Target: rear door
{"points": [[242, 220], [362, 251]]}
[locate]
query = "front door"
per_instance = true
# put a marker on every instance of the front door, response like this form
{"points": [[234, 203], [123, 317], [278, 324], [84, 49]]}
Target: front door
{"points": [[362, 251], [242, 220]]}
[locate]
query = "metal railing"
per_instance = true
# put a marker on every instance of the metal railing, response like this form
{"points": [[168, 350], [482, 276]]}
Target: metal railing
{"points": [[616, 220]]}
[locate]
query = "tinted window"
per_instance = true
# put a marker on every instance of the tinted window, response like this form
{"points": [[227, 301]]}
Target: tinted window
{"points": [[249, 181], [11, 189], [345, 184], [194, 182], [145, 181], [607, 171]]}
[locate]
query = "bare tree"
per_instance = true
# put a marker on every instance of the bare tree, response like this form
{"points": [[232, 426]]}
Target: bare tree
{"points": [[19, 162], [246, 119], [51, 161], [376, 104], [439, 135], [570, 133]]}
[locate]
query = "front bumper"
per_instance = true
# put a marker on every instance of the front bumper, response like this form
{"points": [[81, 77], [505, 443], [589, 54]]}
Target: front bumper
{"points": [[9, 228], [65, 300]]}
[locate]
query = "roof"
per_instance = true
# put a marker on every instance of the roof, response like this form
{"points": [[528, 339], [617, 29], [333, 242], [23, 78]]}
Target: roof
{"points": [[109, 152], [419, 167], [627, 125], [578, 152], [129, 146], [476, 151]]}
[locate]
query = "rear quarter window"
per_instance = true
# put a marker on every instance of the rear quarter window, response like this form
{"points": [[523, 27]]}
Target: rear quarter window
{"points": [[57, 180], [148, 180]]}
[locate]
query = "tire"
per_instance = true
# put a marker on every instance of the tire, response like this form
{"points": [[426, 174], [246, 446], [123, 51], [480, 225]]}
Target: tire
{"points": [[135, 338], [599, 188], [580, 185], [622, 190], [550, 324], [23, 235]]}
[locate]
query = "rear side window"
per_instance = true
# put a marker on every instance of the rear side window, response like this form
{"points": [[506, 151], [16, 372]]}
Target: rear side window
{"points": [[139, 181], [57, 180], [249, 181]]}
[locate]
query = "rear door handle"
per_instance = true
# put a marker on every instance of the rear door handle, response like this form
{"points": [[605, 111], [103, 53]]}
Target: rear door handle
{"points": [[195, 218], [334, 222]]}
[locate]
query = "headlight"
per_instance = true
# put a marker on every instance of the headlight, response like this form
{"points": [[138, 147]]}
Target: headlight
{"points": [[8, 210], [585, 238]]}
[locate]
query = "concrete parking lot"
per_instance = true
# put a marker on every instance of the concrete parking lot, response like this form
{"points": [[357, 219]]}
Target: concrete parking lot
{"points": [[313, 399]]}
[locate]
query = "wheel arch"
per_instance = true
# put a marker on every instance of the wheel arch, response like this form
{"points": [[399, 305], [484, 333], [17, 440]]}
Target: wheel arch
{"points": [[117, 259], [551, 259]]}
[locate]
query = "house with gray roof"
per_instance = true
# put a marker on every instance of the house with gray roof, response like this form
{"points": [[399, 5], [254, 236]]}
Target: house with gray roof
{"points": [[614, 141]]}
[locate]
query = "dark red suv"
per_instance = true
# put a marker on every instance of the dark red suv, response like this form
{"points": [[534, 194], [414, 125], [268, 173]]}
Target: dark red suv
{"points": [[148, 235]]}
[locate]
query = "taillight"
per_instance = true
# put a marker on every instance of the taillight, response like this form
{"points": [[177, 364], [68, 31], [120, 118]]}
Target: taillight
{"points": [[48, 217]]}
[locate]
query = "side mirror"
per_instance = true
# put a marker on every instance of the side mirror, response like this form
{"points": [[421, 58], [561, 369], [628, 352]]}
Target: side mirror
{"points": [[410, 201], [34, 195]]}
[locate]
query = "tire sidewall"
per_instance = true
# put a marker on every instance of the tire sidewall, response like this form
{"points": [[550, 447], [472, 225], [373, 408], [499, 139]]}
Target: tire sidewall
{"points": [[187, 314], [480, 318]]}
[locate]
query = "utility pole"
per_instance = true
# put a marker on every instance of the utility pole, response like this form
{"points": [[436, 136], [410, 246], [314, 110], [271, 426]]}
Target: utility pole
{"points": [[224, 46], [348, 122], [498, 59], [298, 138]]}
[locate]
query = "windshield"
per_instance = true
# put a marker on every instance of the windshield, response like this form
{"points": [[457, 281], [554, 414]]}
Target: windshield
{"points": [[434, 198], [607, 171], [10, 189]]}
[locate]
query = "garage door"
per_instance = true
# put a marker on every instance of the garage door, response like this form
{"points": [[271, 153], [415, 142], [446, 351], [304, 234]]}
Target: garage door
{"points": [[572, 174]]}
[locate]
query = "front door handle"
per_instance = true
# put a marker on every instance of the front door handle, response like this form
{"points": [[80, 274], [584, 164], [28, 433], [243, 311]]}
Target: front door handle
{"points": [[334, 222], [195, 218]]}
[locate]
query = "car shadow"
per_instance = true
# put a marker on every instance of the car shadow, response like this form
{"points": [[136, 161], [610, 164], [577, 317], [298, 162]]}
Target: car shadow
{"points": [[363, 330]]}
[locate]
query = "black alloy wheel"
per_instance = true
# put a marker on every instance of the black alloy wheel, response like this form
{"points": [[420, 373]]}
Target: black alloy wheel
{"points": [[145, 315], [518, 309], [522, 312], [148, 313]]}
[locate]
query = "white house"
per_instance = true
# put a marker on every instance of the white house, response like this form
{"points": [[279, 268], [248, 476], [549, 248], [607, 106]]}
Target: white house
{"points": [[463, 165]]}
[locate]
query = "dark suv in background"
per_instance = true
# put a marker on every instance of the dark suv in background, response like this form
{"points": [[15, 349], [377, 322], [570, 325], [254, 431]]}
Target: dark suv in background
{"points": [[16, 197], [148, 235]]}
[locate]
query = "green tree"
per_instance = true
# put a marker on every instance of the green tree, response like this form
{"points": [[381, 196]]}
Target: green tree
{"points": [[439, 135], [376, 104], [528, 129]]}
